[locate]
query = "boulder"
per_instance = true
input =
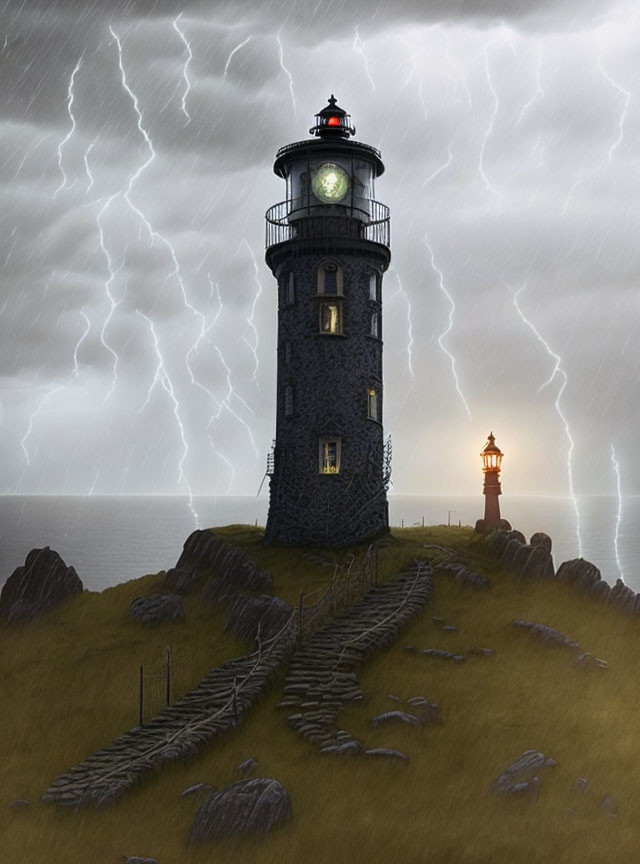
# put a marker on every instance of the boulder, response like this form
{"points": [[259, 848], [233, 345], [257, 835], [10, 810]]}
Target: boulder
{"points": [[395, 717], [246, 808], [510, 551], [387, 753], [541, 539], [546, 634], [40, 585], [154, 609], [231, 568], [521, 777], [579, 571], [538, 563], [248, 615]]}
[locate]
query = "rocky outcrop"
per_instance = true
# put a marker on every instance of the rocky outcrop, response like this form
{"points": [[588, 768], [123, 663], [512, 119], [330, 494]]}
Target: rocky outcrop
{"points": [[41, 584], [521, 777], [526, 560], [545, 634], [230, 567], [246, 808], [155, 609], [252, 616]]}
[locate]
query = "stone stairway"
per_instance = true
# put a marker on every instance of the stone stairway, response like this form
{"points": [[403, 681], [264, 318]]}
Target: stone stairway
{"points": [[322, 679], [218, 704]]}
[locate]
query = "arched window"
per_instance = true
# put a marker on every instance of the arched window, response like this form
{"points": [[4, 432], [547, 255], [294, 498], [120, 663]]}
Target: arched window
{"points": [[329, 455], [288, 400], [329, 278]]}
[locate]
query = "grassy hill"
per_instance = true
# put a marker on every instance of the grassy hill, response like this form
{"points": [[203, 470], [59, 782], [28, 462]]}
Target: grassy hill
{"points": [[70, 684]]}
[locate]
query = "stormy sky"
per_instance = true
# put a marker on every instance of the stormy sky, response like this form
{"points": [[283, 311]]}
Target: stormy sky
{"points": [[138, 318]]}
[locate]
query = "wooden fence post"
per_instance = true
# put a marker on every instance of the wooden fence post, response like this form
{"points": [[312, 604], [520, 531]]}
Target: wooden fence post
{"points": [[141, 696], [168, 675]]}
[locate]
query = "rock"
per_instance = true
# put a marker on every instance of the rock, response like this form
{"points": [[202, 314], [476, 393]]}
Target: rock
{"points": [[538, 563], [393, 697], [196, 788], [181, 580], [246, 808], [512, 549], [387, 752], [247, 614], [349, 748], [395, 717], [580, 785], [609, 805], [546, 634], [427, 712], [409, 648], [154, 609], [542, 540], [443, 655], [247, 767], [521, 776], [579, 571], [127, 859], [471, 579], [19, 803], [437, 620], [588, 661], [40, 585], [497, 541], [482, 652]]}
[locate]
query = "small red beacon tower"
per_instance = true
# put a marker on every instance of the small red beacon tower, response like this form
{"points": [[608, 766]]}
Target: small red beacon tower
{"points": [[491, 463]]}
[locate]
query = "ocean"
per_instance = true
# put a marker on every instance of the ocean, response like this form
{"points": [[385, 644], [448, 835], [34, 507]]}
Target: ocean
{"points": [[113, 539]]}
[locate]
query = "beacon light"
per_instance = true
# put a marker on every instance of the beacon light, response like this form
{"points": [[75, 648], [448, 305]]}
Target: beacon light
{"points": [[333, 121]]}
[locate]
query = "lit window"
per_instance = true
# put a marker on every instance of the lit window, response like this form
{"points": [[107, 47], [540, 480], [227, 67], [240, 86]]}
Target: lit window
{"points": [[372, 403], [331, 318], [288, 400], [291, 288], [375, 325], [330, 455], [329, 280]]}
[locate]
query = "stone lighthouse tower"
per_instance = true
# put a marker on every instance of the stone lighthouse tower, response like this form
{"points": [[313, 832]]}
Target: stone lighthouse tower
{"points": [[328, 246]]}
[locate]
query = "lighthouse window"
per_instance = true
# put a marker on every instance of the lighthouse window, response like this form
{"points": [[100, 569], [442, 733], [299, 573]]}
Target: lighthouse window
{"points": [[375, 325], [374, 289], [288, 400], [331, 318], [329, 279], [372, 404], [330, 455], [290, 295]]}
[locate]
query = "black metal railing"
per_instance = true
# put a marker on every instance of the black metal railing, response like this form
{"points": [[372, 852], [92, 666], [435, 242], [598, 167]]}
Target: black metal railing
{"points": [[290, 219]]}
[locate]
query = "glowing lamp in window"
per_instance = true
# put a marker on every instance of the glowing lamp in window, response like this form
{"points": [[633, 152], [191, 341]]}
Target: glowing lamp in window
{"points": [[372, 403], [330, 456], [330, 318], [333, 121]]}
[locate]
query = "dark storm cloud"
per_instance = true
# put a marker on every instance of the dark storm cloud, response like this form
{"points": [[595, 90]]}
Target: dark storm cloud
{"points": [[508, 131]]}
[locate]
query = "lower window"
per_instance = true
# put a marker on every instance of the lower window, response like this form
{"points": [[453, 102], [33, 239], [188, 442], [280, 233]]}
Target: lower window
{"points": [[329, 453]]}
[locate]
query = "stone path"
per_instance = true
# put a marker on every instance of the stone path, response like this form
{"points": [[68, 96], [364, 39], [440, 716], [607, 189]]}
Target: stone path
{"points": [[322, 678], [218, 704]]}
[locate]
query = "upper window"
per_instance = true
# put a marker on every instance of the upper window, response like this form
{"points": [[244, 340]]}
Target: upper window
{"points": [[329, 279], [330, 455], [374, 287], [331, 317], [375, 324], [290, 287], [372, 404]]}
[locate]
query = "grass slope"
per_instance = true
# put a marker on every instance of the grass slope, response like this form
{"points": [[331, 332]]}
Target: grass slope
{"points": [[69, 685]]}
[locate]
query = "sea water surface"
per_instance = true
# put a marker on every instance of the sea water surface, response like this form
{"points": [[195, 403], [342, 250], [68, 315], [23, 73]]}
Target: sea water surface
{"points": [[112, 539]]}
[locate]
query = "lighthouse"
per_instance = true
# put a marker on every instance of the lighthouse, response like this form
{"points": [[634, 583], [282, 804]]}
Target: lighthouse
{"points": [[328, 246]]}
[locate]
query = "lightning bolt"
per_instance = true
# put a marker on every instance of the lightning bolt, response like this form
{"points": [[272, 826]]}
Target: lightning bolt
{"points": [[487, 134], [86, 161], [623, 115], [250, 320], [409, 323], [539, 90], [185, 68], [235, 50], [56, 388], [284, 68], [162, 377], [359, 47], [460, 75], [67, 137], [439, 170], [452, 308], [616, 468], [557, 370]]}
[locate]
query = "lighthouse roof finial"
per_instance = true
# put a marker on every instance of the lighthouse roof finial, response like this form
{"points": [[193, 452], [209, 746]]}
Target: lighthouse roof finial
{"points": [[333, 121]]}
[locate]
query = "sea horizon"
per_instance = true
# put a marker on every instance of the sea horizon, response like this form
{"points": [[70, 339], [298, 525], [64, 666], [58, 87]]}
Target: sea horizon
{"points": [[113, 538]]}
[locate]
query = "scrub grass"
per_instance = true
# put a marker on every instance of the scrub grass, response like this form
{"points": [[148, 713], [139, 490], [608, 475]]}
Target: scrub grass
{"points": [[69, 685]]}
